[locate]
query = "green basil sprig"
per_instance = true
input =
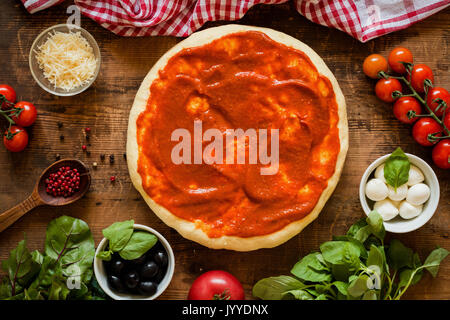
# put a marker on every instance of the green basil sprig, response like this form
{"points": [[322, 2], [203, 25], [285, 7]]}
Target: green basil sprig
{"points": [[358, 265], [396, 169], [123, 239]]}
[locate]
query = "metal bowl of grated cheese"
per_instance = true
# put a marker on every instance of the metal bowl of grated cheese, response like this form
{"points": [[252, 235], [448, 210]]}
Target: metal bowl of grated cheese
{"points": [[64, 60]]}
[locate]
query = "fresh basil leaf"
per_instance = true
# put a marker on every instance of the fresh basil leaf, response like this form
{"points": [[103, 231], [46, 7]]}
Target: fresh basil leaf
{"points": [[434, 259], [118, 234], [359, 244], [356, 227], [298, 294], [321, 297], [105, 255], [310, 268], [396, 169], [139, 243], [363, 233], [370, 295], [359, 286], [274, 288], [341, 253], [399, 256], [341, 286], [58, 290], [375, 221], [69, 243], [32, 294], [376, 258]]}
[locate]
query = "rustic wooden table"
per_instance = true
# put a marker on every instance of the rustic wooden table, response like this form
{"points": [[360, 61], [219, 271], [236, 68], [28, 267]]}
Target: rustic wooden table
{"points": [[104, 107]]}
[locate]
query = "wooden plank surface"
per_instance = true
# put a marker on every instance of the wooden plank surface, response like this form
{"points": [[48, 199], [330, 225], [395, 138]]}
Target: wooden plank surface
{"points": [[105, 106]]}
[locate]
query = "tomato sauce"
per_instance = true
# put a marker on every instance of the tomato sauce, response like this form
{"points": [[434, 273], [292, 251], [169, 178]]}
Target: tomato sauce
{"points": [[242, 80]]}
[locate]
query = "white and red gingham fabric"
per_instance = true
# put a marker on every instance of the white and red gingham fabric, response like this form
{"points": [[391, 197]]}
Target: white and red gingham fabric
{"points": [[362, 19]]}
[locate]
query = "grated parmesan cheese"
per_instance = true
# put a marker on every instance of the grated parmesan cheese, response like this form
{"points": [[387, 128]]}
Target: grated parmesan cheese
{"points": [[67, 60]]}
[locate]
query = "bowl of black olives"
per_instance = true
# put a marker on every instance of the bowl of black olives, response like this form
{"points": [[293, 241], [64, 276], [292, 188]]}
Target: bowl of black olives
{"points": [[142, 278]]}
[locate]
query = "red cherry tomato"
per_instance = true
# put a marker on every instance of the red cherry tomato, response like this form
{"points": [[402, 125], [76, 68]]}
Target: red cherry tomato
{"points": [[419, 73], [438, 93], [423, 128], [403, 105], [385, 87], [18, 139], [216, 285], [9, 93], [374, 64], [27, 116], [398, 55], [441, 154]]}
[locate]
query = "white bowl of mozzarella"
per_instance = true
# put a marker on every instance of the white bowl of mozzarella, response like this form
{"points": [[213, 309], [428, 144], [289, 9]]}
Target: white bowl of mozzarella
{"points": [[408, 207]]}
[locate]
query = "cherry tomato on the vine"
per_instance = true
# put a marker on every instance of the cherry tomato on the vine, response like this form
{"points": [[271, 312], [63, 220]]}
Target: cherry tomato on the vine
{"points": [[425, 127], [447, 119], [374, 64], [385, 87], [18, 141], [441, 154], [438, 93], [8, 92], [398, 55], [27, 116], [419, 73], [216, 285], [403, 105]]}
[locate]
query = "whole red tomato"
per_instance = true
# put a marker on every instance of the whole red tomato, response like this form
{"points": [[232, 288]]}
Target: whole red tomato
{"points": [[8, 93], [16, 140], [374, 64], [28, 114], [216, 285], [398, 55], [405, 104], [441, 154], [438, 93], [419, 73], [385, 87], [425, 127]]}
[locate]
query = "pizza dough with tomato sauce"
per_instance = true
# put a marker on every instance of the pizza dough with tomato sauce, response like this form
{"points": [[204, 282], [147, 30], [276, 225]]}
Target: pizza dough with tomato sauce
{"points": [[239, 77]]}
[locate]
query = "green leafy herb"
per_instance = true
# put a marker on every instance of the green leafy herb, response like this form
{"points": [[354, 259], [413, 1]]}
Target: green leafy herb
{"points": [[68, 257], [357, 265], [123, 239], [396, 169]]}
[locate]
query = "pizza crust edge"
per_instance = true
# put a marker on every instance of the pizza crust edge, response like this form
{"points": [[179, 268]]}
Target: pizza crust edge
{"points": [[188, 229]]}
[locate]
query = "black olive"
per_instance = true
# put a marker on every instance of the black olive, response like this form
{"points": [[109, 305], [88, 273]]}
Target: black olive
{"points": [[139, 260], [160, 258], [131, 279], [161, 273], [117, 267], [149, 270], [115, 283], [148, 288]]}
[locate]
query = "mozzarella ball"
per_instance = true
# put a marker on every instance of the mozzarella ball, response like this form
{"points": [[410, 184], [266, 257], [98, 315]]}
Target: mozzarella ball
{"points": [[418, 194], [379, 173], [408, 210], [376, 190], [386, 209], [399, 194], [415, 176]]}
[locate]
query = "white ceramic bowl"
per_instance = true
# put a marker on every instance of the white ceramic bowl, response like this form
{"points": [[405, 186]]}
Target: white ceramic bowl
{"points": [[100, 272], [398, 224], [37, 72]]}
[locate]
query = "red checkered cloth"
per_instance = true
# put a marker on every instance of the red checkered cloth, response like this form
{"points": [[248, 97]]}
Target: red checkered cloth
{"points": [[363, 19]]}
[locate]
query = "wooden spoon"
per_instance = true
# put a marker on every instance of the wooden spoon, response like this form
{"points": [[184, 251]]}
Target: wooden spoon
{"points": [[40, 197]]}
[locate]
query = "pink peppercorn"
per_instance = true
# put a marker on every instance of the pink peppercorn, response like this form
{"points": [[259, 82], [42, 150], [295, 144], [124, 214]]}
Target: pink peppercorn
{"points": [[65, 182]]}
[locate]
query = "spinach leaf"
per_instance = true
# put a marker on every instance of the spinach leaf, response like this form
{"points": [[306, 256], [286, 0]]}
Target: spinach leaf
{"points": [[274, 288], [396, 169], [312, 268], [118, 234], [139, 243]]}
